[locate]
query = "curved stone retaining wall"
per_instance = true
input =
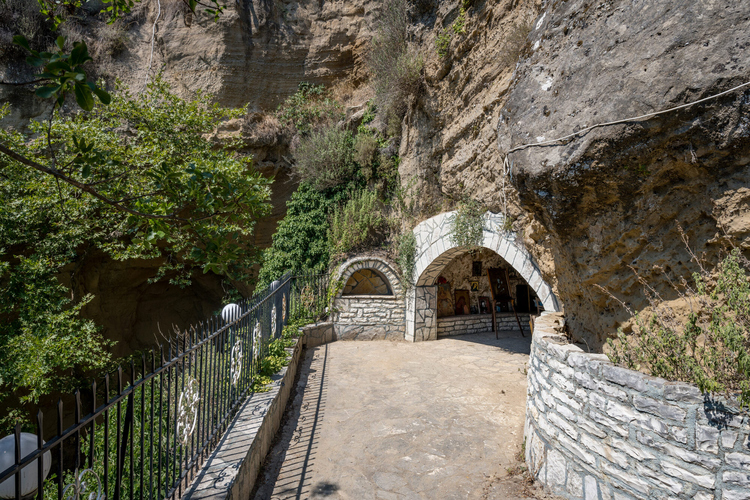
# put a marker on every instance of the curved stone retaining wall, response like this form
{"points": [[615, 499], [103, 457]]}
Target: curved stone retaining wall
{"points": [[598, 431]]}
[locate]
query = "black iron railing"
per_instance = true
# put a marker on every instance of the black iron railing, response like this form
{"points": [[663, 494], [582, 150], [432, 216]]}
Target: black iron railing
{"points": [[151, 426]]}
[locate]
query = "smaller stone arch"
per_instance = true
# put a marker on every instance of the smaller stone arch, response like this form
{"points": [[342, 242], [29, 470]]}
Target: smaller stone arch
{"points": [[369, 317]]}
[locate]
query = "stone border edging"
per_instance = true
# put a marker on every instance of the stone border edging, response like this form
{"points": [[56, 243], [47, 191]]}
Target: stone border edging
{"points": [[232, 469], [598, 431]]}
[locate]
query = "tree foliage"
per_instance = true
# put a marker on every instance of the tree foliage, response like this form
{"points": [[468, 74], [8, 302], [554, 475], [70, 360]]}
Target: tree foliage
{"points": [[300, 243], [136, 179]]}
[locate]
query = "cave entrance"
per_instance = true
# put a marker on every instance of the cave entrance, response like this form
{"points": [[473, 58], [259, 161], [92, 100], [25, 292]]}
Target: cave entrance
{"points": [[454, 279]]}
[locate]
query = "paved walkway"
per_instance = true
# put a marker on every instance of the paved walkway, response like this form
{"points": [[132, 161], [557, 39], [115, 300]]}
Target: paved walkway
{"points": [[396, 420]]}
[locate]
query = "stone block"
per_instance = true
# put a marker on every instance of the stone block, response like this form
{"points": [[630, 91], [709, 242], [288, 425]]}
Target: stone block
{"points": [[590, 488], [736, 478], [666, 482], [682, 392], [704, 479], [674, 451], [576, 449], [679, 434], [574, 485], [738, 460], [621, 412], [591, 427], [730, 494], [637, 452], [563, 383], [624, 377], [567, 413], [564, 398], [555, 468], [609, 423], [650, 423], [659, 409], [728, 438], [631, 480], [612, 391], [561, 424], [706, 438], [603, 449], [701, 495]]}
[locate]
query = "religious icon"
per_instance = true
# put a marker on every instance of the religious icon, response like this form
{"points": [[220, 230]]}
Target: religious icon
{"points": [[474, 286], [462, 302]]}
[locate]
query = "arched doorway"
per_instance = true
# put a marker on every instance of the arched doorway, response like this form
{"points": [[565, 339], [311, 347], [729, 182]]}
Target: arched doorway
{"points": [[435, 251]]}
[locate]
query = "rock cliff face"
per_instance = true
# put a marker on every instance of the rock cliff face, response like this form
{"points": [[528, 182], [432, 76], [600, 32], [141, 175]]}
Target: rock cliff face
{"points": [[613, 197], [523, 71], [593, 206]]}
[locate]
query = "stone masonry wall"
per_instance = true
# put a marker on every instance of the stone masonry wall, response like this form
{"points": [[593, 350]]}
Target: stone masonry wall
{"points": [[598, 431], [479, 323], [369, 317]]}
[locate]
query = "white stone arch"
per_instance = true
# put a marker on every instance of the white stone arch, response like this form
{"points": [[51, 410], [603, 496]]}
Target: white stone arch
{"points": [[435, 250]]}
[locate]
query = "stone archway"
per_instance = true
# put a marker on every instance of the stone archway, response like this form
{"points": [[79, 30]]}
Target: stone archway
{"points": [[435, 250], [368, 315]]}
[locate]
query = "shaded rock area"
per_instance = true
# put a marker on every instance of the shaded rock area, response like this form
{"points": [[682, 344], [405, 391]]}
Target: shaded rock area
{"points": [[593, 206], [613, 198]]}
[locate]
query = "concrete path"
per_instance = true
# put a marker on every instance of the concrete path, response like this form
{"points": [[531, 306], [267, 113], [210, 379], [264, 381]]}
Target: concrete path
{"points": [[396, 420]]}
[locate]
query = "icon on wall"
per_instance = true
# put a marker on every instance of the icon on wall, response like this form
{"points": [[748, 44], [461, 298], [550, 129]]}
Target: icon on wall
{"points": [[462, 302], [474, 286], [476, 268]]}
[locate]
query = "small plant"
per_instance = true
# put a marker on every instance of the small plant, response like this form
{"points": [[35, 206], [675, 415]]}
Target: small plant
{"points": [[711, 348], [365, 147], [459, 25], [395, 65], [406, 253], [442, 42], [468, 224], [311, 107]]}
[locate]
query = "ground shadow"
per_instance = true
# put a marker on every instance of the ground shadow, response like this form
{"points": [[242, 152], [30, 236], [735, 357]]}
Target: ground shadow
{"points": [[287, 470], [510, 341]]}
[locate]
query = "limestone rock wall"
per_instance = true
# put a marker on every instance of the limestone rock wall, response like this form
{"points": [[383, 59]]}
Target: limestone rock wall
{"points": [[597, 431]]}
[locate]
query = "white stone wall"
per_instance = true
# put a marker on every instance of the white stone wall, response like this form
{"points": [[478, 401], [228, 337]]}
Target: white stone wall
{"points": [[596, 431], [369, 317], [480, 323]]}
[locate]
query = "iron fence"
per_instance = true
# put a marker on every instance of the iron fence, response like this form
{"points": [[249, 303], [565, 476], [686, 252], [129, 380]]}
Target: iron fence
{"points": [[151, 425]]}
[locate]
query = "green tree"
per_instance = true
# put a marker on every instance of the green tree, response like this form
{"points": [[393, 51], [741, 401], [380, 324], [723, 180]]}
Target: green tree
{"points": [[136, 179]]}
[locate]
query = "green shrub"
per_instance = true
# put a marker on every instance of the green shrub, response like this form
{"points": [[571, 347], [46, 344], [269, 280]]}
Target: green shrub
{"points": [[468, 224], [365, 147], [396, 67], [356, 224], [325, 158], [309, 108], [442, 42], [711, 349]]}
